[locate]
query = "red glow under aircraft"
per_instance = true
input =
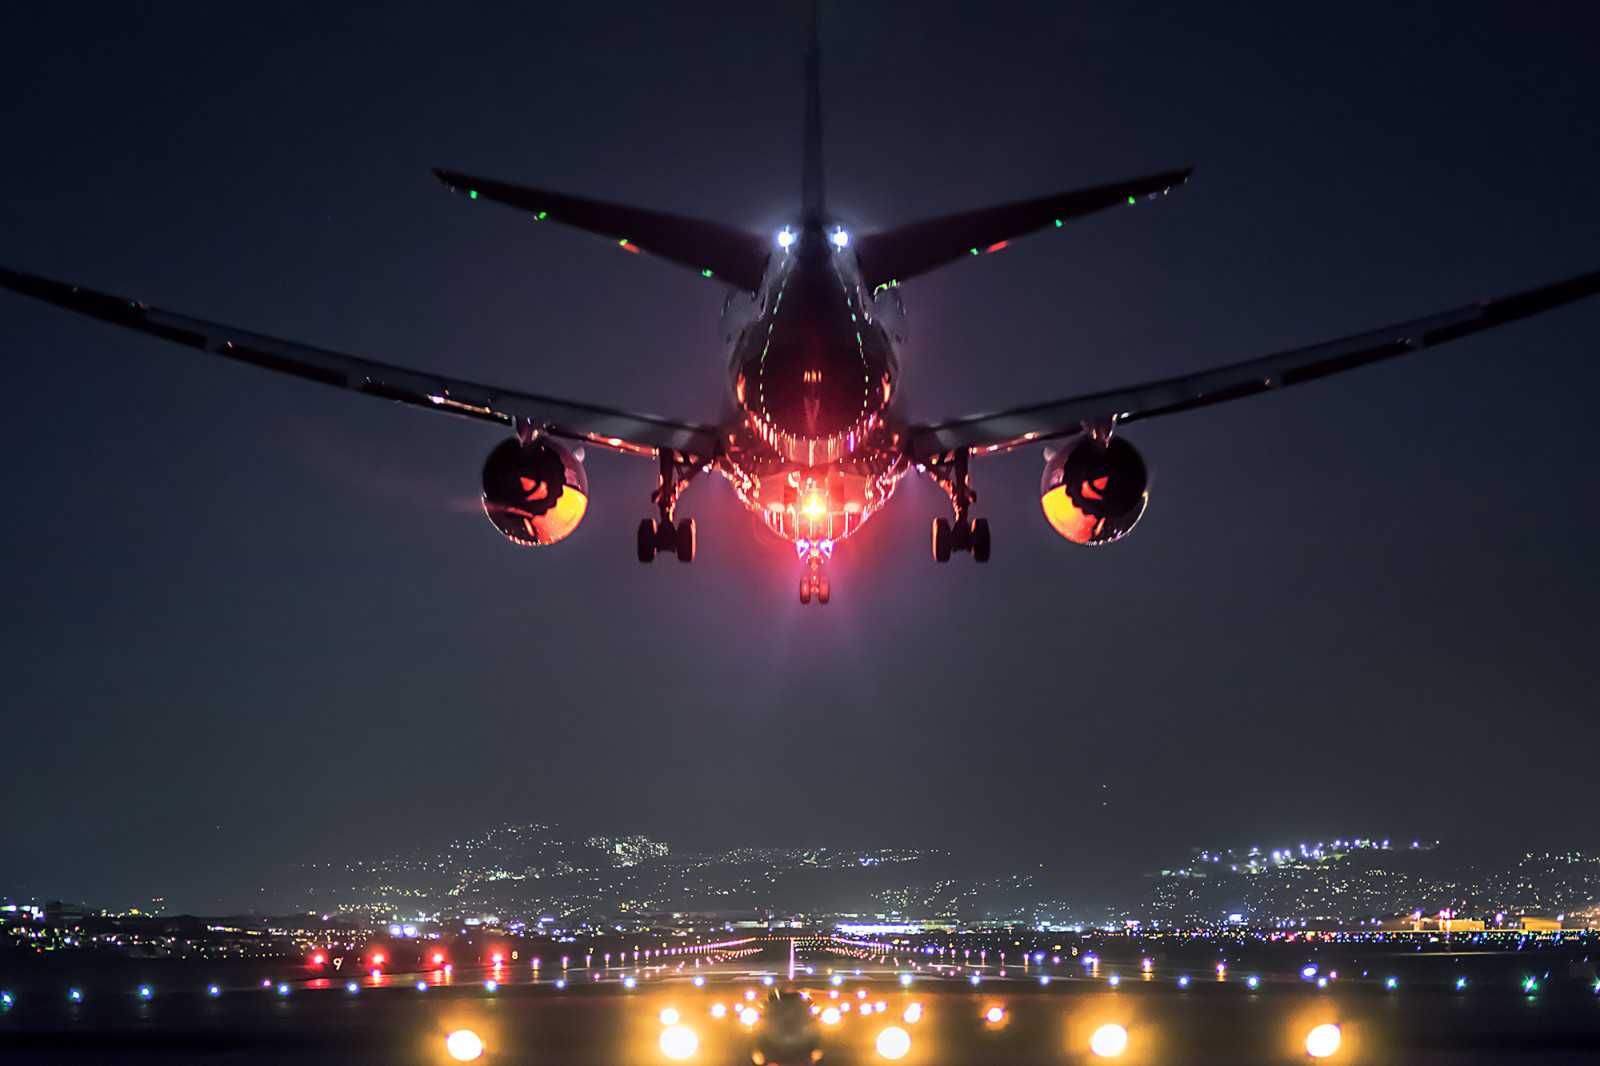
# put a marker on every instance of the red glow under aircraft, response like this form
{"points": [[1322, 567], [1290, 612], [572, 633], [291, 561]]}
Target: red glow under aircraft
{"points": [[811, 441]]}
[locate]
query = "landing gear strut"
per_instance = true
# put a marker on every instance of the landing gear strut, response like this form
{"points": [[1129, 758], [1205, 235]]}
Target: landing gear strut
{"points": [[966, 534], [662, 535]]}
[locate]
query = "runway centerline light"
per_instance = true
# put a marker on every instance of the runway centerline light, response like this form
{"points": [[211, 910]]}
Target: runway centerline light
{"points": [[893, 1042], [464, 1045], [679, 1042], [1109, 1041], [1322, 1041]]}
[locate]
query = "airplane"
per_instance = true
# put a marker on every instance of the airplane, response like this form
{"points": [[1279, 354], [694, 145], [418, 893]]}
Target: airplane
{"points": [[811, 441]]}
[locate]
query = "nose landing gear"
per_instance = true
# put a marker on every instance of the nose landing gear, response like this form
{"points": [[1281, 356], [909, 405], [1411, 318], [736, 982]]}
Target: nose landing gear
{"points": [[814, 583]]}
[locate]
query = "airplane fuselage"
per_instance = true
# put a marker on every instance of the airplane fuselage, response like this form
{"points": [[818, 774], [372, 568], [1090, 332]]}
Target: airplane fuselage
{"points": [[813, 447]]}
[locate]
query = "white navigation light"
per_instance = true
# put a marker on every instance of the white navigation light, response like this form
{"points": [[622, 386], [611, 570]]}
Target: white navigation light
{"points": [[893, 1042], [785, 238], [1109, 1041], [679, 1042], [840, 238], [1322, 1041], [464, 1045]]}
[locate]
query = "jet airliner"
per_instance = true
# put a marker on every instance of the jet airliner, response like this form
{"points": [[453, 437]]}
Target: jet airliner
{"points": [[812, 440]]}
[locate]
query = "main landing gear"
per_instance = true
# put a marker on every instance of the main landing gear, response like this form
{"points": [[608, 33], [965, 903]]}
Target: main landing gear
{"points": [[965, 534], [658, 536]]}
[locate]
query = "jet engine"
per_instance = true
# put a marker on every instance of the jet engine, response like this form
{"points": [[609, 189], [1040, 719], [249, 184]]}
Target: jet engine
{"points": [[1094, 491], [534, 493]]}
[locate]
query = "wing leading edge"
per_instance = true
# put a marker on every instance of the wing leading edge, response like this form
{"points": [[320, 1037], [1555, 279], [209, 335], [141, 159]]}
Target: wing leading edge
{"points": [[1020, 425], [601, 426]]}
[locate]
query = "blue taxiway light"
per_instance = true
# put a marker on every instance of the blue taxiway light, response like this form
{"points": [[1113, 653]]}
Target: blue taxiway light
{"points": [[1044, 979], [144, 991], [213, 990], [905, 980], [1113, 980], [422, 986], [699, 981], [351, 987], [1390, 983], [1252, 981], [561, 982], [75, 995], [1183, 982], [629, 982], [283, 990], [491, 985]]}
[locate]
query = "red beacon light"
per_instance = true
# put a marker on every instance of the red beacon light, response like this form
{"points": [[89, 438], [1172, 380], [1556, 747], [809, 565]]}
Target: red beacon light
{"points": [[377, 958], [318, 959], [437, 958], [497, 958]]}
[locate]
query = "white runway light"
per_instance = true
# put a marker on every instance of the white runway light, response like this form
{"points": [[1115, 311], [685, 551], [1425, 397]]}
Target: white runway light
{"points": [[893, 1042], [1323, 1041], [1109, 1041], [464, 1045], [679, 1042]]}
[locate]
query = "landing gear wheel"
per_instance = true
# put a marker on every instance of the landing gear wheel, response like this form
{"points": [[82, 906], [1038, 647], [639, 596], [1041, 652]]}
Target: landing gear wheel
{"points": [[647, 539], [686, 541], [822, 590], [980, 540], [805, 590], [941, 540]]}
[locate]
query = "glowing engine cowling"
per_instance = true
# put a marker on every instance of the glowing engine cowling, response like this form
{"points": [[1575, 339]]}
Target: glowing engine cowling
{"points": [[534, 493], [1094, 491]]}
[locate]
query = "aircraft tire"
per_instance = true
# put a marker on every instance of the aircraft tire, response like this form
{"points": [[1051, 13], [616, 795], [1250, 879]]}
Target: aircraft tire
{"points": [[941, 540], [980, 540], [805, 590], [961, 536], [666, 537], [647, 539], [822, 590], [686, 541]]}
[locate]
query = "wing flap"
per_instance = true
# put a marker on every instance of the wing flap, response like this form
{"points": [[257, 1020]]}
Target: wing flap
{"points": [[602, 426], [709, 248], [1009, 429]]}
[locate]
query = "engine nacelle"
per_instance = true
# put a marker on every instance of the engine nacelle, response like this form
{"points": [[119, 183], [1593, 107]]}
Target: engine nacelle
{"points": [[1094, 492], [534, 493]]}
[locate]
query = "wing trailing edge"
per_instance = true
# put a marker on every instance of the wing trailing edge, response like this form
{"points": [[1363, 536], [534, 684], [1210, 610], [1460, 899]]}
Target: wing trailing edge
{"points": [[901, 253], [709, 248]]}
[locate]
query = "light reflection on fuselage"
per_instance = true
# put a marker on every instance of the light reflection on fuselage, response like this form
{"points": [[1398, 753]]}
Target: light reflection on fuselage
{"points": [[815, 450]]}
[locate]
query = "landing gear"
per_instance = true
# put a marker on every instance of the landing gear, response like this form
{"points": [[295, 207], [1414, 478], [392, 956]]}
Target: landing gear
{"points": [[814, 583], [659, 536], [965, 534]]}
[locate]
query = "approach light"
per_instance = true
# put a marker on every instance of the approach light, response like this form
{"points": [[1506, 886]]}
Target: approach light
{"points": [[893, 1042], [679, 1041], [1322, 1041], [1109, 1041], [464, 1045]]}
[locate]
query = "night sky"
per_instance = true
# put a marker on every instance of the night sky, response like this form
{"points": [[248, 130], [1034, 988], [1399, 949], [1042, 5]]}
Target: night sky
{"points": [[249, 621]]}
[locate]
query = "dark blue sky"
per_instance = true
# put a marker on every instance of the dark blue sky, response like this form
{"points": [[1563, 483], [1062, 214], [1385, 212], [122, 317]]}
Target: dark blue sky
{"points": [[249, 621]]}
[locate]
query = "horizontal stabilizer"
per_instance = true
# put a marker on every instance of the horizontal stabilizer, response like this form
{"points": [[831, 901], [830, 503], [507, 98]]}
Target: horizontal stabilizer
{"points": [[710, 248], [904, 252]]}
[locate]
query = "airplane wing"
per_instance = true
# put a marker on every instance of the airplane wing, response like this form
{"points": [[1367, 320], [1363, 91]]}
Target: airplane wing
{"points": [[1020, 425], [601, 426]]}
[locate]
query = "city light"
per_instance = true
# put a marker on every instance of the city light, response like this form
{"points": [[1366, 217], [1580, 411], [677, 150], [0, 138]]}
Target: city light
{"points": [[679, 1042], [463, 1045], [669, 1016], [1109, 1041], [893, 1042], [718, 1010], [1323, 1041], [749, 1016], [830, 1016], [994, 1015], [913, 1014]]}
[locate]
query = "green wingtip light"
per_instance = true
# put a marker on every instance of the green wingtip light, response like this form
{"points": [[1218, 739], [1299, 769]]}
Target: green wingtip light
{"points": [[1058, 222], [542, 214], [705, 273], [1130, 199], [473, 194]]}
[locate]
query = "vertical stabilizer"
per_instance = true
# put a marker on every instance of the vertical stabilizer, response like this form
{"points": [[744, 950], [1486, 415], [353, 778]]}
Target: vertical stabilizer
{"points": [[811, 173]]}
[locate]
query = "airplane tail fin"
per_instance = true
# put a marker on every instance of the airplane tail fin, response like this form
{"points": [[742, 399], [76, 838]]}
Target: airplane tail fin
{"points": [[811, 165], [903, 252], [713, 249]]}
